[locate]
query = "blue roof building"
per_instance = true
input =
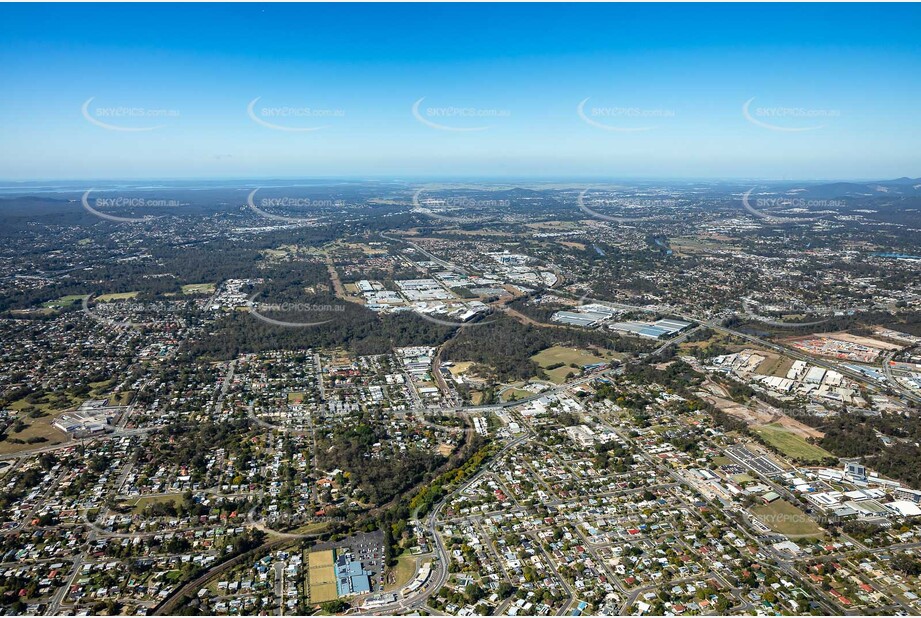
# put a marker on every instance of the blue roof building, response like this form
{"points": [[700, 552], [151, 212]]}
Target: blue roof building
{"points": [[351, 577]]}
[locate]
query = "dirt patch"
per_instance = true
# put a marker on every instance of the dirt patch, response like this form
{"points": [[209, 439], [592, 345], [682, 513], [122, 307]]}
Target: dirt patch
{"points": [[445, 450], [758, 414], [870, 343]]}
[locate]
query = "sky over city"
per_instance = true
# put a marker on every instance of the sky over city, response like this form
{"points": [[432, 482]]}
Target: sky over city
{"points": [[404, 91]]}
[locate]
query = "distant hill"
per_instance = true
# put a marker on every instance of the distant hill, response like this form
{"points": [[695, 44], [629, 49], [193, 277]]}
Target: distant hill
{"points": [[900, 187]]}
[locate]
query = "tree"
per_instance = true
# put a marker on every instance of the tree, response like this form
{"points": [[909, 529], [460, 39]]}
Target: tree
{"points": [[336, 606]]}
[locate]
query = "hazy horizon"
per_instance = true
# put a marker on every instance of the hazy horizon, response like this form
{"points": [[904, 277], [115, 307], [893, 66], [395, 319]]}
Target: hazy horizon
{"points": [[236, 179]]}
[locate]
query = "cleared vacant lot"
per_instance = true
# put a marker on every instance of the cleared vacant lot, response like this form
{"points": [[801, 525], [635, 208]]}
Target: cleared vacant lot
{"points": [[786, 519], [774, 364], [791, 444]]}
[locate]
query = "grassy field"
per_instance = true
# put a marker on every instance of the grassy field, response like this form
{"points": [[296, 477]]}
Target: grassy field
{"points": [[52, 406], [321, 576], [774, 364], [117, 296], [121, 399], [366, 249], [402, 573], [791, 444], [64, 301], [295, 397], [786, 519], [311, 528], [174, 575], [552, 225], [141, 503], [782, 367], [198, 288], [559, 354], [22, 404], [517, 392], [104, 390], [33, 311], [49, 403], [561, 374], [282, 251], [274, 254], [37, 428], [691, 245], [96, 388], [716, 339], [460, 368]]}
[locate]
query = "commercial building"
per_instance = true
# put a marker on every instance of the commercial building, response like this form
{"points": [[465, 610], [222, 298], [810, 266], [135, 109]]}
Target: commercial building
{"points": [[331, 576], [93, 417], [572, 318], [351, 577], [652, 330], [419, 580], [856, 470], [585, 316]]}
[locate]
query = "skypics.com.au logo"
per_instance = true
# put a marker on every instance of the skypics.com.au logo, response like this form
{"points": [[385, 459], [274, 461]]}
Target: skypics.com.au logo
{"points": [[292, 314], [124, 118], [456, 323], [446, 118], [467, 316], [621, 119], [288, 202], [750, 312], [293, 119], [124, 204], [788, 119], [118, 313], [618, 202], [761, 203], [436, 207]]}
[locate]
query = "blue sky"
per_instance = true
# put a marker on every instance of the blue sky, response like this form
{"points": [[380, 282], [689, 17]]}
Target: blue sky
{"points": [[835, 87]]}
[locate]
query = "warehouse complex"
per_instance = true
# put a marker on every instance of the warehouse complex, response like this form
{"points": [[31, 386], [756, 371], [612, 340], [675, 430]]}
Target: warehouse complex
{"points": [[653, 330]]}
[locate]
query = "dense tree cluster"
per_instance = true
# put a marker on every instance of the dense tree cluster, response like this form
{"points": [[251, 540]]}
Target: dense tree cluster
{"points": [[906, 563], [355, 328], [855, 435], [507, 346], [379, 478]]}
